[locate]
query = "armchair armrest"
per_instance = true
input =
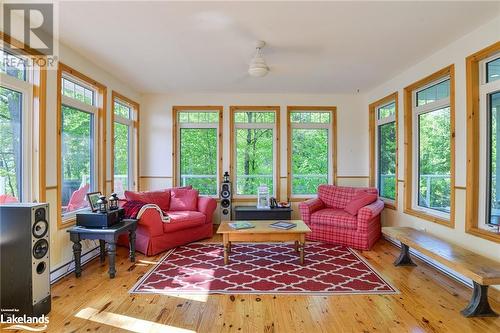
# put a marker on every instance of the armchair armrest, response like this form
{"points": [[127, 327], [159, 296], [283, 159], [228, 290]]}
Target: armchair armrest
{"points": [[370, 211], [207, 206], [308, 207]]}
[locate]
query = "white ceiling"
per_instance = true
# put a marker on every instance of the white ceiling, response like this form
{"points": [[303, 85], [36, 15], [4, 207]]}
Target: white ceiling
{"points": [[312, 47]]}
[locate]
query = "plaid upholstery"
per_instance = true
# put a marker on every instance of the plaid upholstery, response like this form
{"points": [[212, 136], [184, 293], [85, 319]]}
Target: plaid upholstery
{"points": [[132, 208], [330, 224], [339, 196], [337, 218]]}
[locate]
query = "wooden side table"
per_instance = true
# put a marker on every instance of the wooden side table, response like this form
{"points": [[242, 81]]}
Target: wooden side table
{"points": [[109, 237]]}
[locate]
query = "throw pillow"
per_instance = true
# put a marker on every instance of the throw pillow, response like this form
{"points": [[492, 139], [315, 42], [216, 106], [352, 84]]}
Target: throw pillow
{"points": [[359, 201], [182, 199], [161, 198]]}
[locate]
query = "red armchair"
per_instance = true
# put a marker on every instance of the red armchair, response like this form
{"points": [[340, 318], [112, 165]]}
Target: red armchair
{"points": [[330, 223], [190, 220]]}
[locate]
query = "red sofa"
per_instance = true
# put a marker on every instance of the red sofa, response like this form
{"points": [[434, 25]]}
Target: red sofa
{"points": [[190, 219], [329, 221]]}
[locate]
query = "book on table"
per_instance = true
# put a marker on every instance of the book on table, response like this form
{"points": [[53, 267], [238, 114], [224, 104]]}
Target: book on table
{"points": [[241, 225], [283, 225]]}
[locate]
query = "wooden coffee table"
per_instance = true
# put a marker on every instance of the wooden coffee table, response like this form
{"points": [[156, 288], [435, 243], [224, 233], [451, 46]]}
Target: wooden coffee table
{"points": [[264, 233]]}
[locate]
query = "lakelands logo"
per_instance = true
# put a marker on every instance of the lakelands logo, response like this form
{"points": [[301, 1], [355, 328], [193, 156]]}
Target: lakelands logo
{"points": [[36, 324]]}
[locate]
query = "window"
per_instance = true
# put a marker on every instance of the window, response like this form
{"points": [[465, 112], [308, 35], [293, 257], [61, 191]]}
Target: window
{"points": [[80, 144], [429, 128], [124, 145], [311, 142], [383, 148], [254, 150], [22, 84], [197, 143], [483, 208]]}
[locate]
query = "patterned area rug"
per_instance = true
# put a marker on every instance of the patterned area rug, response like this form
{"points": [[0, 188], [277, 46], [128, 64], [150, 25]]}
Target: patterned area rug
{"points": [[261, 268]]}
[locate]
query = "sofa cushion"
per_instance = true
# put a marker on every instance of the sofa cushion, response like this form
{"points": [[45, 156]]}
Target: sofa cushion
{"points": [[334, 217], [183, 199], [180, 220], [161, 198], [339, 196], [359, 201]]}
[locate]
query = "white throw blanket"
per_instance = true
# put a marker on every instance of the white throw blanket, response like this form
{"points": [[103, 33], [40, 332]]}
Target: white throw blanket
{"points": [[164, 218]]}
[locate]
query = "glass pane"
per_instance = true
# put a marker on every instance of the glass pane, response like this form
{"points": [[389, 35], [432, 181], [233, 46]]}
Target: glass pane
{"points": [[493, 70], [433, 93], [254, 160], [198, 159], [198, 117], [387, 160], [387, 110], [122, 110], [309, 160], [121, 154], [493, 172], [77, 91], [12, 65], [434, 160], [10, 143], [77, 158], [310, 117], [254, 117]]}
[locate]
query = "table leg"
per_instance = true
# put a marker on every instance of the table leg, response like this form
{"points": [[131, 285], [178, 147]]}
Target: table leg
{"points": [[131, 239], [112, 256], [77, 252], [102, 250], [226, 249], [404, 258], [479, 305], [229, 249], [296, 246]]}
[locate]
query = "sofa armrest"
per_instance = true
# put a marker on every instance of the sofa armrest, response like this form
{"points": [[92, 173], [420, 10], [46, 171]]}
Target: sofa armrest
{"points": [[308, 207], [207, 206], [151, 220], [370, 211]]}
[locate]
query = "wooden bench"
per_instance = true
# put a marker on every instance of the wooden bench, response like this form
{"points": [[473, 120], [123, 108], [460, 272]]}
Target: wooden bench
{"points": [[481, 270]]}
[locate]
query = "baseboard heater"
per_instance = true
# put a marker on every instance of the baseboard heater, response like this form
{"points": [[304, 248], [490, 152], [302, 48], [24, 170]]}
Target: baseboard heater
{"points": [[443, 269], [69, 267]]}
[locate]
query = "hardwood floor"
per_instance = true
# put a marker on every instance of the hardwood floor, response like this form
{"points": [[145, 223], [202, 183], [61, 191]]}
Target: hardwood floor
{"points": [[429, 302]]}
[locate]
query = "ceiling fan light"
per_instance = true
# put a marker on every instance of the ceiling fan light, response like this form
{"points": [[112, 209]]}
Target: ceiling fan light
{"points": [[258, 67]]}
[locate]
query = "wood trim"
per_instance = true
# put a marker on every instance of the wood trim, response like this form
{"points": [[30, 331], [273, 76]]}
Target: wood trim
{"points": [[277, 128], [372, 110], [473, 131], [39, 103], [101, 137], [135, 109], [175, 154], [460, 187], [333, 142], [354, 177], [408, 123], [54, 187]]}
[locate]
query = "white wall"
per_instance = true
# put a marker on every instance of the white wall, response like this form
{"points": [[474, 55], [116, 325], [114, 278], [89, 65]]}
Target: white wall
{"points": [[454, 53], [156, 131]]}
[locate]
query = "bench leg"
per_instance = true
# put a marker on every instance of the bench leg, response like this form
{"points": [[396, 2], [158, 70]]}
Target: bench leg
{"points": [[404, 258], [478, 305]]}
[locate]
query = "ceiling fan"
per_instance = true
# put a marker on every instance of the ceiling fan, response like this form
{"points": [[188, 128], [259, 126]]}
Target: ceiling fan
{"points": [[258, 66]]}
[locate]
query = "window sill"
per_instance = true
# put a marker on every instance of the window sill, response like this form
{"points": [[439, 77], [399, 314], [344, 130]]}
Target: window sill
{"points": [[484, 234], [390, 205], [303, 198], [66, 223], [432, 218]]}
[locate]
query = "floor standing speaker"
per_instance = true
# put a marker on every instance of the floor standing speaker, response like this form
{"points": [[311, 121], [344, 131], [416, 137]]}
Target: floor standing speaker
{"points": [[225, 201], [24, 254]]}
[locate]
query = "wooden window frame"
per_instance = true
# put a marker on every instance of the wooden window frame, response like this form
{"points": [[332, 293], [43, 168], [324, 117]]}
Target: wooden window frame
{"points": [[101, 97], [473, 143], [372, 111], [232, 166], [38, 109], [175, 128], [448, 71], [333, 144], [135, 108]]}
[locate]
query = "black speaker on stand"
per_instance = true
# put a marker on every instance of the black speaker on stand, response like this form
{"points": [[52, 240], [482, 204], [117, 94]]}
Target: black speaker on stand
{"points": [[226, 196], [24, 254]]}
